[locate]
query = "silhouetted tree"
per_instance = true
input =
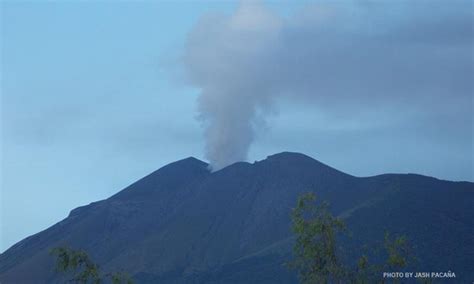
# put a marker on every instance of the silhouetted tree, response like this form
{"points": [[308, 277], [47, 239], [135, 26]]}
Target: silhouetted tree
{"points": [[315, 250], [84, 270]]}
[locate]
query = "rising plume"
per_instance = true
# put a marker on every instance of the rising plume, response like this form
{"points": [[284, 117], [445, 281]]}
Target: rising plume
{"points": [[389, 56]]}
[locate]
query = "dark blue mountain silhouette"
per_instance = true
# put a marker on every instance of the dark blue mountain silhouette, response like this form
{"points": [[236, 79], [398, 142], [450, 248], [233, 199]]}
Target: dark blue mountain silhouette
{"points": [[183, 224]]}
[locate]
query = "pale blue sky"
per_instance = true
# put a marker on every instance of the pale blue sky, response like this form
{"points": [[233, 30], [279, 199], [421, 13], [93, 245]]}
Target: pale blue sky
{"points": [[93, 99]]}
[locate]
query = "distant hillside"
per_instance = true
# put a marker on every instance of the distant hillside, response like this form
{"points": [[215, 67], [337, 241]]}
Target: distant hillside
{"points": [[183, 224]]}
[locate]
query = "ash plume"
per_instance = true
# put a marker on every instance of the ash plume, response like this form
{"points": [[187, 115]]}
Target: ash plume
{"points": [[223, 58], [343, 58]]}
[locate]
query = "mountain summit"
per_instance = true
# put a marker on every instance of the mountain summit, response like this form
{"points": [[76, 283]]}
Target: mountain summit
{"points": [[184, 224]]}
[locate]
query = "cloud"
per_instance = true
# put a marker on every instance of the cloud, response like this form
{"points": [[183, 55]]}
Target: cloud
{"points": [[339, 58]]}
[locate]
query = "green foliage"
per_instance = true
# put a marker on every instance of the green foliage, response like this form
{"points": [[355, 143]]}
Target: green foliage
{"points": [[84, 270], [398, 252], [315, 249], [119, 278], [79, 262]]}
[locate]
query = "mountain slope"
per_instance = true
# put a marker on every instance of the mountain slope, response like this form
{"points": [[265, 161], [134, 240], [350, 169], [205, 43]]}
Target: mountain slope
{"points": [[183, 224]]}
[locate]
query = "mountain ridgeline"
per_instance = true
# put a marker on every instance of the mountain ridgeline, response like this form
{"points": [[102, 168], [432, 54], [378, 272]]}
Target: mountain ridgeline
{"points": [[184, 224]]}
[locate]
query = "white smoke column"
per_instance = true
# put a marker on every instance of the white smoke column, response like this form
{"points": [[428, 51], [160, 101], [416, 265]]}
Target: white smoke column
{"points": [[222, 53], [341, 59]]}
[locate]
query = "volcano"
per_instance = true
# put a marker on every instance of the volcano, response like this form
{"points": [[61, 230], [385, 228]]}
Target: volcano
{"points": [[184, 224]]}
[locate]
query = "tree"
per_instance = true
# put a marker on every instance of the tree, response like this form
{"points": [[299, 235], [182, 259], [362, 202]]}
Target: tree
{"points": [[398, 252], [83, 268], [315, 248], [316, 252]]}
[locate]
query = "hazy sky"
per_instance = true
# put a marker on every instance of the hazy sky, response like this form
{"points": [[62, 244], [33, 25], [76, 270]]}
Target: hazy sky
{"points": [[95, 95]]}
